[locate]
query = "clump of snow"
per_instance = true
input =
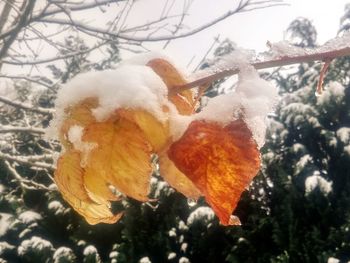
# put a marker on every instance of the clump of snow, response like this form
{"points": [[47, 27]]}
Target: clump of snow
{"points": [[5, 222], [182, 225], [145, 260], [128, 86], [314, 181], [34, 244], [302, 163], [4, 246], [90, 250], [56, 207], [334, 92], [64, 254], [75, 134], [172, 232], [203, 213], [29, 217], [184, 260], [252, 100], [184, 247], [333, 260], [344, 135], [171, 255]]}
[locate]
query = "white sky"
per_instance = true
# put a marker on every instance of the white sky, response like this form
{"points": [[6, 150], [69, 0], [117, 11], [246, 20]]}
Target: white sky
{"points": [[249, 30]]}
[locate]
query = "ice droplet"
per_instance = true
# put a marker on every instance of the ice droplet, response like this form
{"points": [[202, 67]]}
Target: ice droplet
{"points": [[234, 221], [191, 202]]}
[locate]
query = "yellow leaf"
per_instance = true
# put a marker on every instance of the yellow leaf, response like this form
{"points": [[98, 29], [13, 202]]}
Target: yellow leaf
{"points": [[184, 101], [122, 156]]}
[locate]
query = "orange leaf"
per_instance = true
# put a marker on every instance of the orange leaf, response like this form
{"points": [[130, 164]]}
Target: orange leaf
{"points": [[221, 162], [177, 179], [184, 101]]}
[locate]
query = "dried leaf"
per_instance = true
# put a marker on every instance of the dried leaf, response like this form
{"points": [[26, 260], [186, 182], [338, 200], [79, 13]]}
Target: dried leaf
{"points": [[121, 158], [221, 162], [69, 179], [184, 101], [177, 179]]}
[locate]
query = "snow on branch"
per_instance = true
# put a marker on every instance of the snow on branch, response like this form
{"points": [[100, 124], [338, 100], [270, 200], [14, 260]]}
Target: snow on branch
{"points": [[9, 129], [26, 106], [280, 54], [24, 183], [34, 160]]}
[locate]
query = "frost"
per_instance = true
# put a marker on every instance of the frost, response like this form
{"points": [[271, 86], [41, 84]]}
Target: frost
{"points": [[34, 244], [29, 217], [171, 255], [286, 49], [314, 181], [145, 260], [203, 213], [63, 254]]}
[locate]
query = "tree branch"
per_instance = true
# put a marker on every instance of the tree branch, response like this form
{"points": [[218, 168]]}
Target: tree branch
{"points": [[26, 106], [281, 61], [21, 23], [9, 129]]}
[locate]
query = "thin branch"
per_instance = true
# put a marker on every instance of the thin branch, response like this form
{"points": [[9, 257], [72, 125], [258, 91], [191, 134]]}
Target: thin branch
{"points": [[281, 61], [55, 58], [12, 129], [21, 23], [35, 161], [36, 81], [25, 183], [26, 106], [96, 30]]}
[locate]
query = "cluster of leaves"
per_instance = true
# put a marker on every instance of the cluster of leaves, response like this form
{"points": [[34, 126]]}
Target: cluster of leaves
{"points": [[282, 221]]}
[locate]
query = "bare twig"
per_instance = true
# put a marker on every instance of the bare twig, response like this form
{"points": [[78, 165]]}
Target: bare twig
{"points": [[21, 23], [325, 66]]}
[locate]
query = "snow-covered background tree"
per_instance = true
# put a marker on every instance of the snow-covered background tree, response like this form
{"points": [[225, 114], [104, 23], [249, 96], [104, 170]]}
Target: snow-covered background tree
{"points": [[296, 210]]}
